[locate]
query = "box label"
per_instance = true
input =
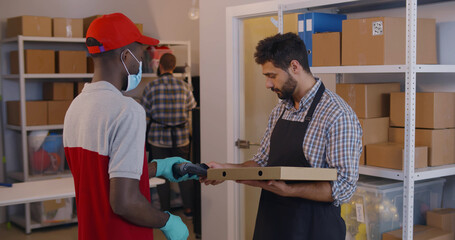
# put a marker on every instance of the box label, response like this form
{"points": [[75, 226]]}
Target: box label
{"points": [[359, 212], [309, 25], [378, 28], [301, 26]]}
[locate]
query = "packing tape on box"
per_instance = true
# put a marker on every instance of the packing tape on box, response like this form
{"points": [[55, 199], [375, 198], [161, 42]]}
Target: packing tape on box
{"points": [[69, 30]]}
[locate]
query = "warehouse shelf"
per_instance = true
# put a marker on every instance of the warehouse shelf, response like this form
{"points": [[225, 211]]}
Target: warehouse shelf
{"points": [[34, 128], [420, 68], [19, 176], [71, 76], [20, 220], [420, 173]]}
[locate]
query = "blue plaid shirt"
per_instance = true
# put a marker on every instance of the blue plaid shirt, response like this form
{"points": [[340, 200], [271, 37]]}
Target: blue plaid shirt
{"points": [[168, 100], [333, 138]]}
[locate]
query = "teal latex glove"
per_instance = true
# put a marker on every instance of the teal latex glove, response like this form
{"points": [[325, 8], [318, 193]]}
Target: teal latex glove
{"points": [[175, 229], [164, 169]]}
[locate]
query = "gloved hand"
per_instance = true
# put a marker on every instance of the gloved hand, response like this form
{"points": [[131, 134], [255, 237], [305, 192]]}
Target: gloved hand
{"points": [[164, 169], [175, 229]]}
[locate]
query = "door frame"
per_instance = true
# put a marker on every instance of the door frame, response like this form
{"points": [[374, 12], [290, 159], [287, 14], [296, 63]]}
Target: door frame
{"points": [[234, 76]]}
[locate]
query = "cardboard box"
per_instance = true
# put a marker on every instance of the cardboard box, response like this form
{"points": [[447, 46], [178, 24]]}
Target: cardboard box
{"points": [[391, 155], [440, 143], [368, 100], [78, 86], [420, 233], [327, 49], [67, 27], [87, 21], [140, 27], [273, 173], [382, 41], [35, 61], [36, 112], [433, 110], [90, 65], [71, 61], [29, 26], [56, 111], [52, 211], [375, 130], [58, 91], [443, 219]]}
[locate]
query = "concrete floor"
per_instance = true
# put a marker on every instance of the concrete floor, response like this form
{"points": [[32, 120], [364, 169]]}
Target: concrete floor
{"points": [[69, 232]]}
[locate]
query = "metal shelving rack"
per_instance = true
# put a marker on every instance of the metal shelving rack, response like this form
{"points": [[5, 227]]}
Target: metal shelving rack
{"points": [[19, 43], [409, 175]]}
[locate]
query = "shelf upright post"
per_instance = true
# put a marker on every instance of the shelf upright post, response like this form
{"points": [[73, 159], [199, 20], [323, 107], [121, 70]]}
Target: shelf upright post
{"points": [[411, 53], [20, 48], [280, 19], [188, 45]]}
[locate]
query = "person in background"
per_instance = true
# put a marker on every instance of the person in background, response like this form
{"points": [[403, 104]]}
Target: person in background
{"points": [[103, 136], [310, 127], [167, 102]]}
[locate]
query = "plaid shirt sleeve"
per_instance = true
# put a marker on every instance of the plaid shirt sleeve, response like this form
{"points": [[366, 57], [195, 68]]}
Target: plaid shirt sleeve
{"points": [[145, 101], [190, 101], [343, 153]]}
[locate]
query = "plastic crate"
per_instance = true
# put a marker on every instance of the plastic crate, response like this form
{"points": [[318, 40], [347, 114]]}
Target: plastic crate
{"points": [[377, 206], [52, 211], [46, 154]]}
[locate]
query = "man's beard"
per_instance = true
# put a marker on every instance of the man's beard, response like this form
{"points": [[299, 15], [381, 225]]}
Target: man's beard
{"points": [[287, 90]]}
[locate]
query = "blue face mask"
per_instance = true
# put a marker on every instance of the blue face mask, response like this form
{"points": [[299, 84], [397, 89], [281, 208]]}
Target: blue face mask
{"points": [[133, 79]]}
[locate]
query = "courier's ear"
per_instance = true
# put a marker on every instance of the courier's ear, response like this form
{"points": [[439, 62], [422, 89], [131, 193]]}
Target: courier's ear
{"points": [[295, 67]]}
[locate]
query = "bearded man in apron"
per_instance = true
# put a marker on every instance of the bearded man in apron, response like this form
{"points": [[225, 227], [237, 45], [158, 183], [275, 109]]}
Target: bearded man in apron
{"points": [[310, 127]]}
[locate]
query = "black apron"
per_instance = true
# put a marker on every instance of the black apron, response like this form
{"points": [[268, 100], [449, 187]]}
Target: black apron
{"points": [[291, 218]]}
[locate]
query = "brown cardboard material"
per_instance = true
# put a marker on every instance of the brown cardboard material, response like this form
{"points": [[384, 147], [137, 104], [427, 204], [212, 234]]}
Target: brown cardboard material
{"points": [[52, 211], [56, 111], [440, 143], [375, 130], [368, 100], [67, 27], [58, 90], [391, 155], [273, 173], [433, 110], [327, 49], [35, 61], [78, 86], [86, 21], [29, 26], [36, 112], [71, 61], [420, 233], [140, 27], [443, 219], [382, 41]]}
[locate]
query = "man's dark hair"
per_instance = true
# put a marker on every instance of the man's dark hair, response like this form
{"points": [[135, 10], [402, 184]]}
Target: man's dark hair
{"points": [[168, 61], [281, 49]]}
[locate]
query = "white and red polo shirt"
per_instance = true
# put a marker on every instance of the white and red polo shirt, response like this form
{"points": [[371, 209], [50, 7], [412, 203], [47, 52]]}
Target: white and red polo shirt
{"points": [[104, 137]]}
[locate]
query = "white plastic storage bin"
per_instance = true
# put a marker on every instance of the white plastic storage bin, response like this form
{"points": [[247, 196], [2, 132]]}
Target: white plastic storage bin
{"points": [[46, 154], [52, 211], [377, 206]]}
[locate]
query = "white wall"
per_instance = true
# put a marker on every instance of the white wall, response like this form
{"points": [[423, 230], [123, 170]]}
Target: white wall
{"points": [[213, 110]]}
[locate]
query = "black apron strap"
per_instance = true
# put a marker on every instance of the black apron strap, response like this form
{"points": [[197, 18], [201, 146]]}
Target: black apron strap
{"points": [[310, 112], [173, 131]]}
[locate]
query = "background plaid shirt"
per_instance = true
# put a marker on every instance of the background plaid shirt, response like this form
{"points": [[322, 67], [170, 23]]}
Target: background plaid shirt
{"points": [[168, 100], [333, 138]]}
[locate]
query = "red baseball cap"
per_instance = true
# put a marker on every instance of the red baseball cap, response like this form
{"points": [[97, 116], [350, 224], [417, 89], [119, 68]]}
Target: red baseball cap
{"points": [[114, 31]]}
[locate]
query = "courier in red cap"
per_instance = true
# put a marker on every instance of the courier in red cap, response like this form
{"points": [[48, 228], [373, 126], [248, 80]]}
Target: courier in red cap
{"points": [[104, 139]]}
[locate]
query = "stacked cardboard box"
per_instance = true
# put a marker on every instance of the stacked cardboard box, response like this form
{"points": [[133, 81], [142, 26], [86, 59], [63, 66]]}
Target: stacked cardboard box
{"points": [[435, 124], [35, 61], [71, 61], [59, 96], [29, 26], [371, 103], [67, 27], [382, 41]]}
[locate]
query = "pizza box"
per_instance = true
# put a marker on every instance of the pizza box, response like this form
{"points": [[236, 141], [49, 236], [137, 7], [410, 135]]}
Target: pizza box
{"points": [[273, 173]]}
